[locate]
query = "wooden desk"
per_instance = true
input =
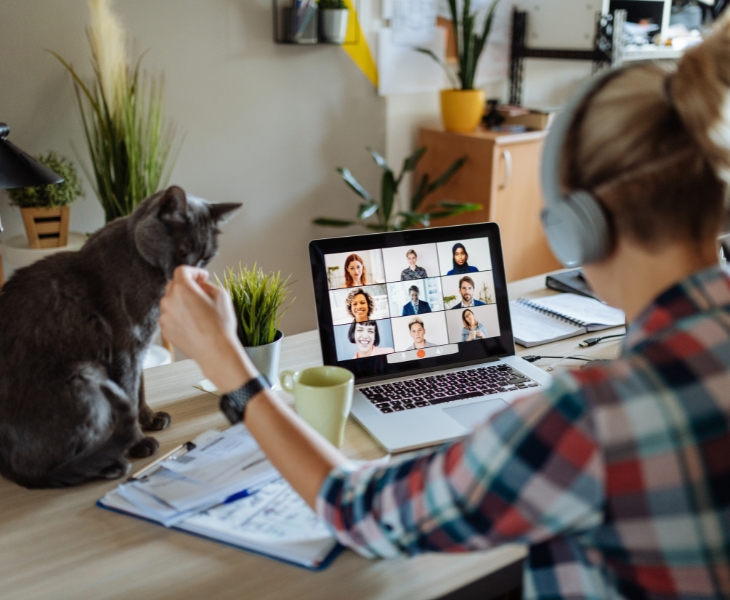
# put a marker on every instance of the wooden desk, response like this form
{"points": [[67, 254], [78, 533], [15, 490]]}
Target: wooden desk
{"points": [[57, 544]]}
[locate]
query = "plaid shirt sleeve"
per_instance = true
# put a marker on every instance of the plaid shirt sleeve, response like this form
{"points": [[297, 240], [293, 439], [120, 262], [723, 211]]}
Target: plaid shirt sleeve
{"points": [[532, 471]]}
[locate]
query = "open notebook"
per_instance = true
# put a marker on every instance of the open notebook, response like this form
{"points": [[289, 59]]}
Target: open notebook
{"points": [[543, 320]]}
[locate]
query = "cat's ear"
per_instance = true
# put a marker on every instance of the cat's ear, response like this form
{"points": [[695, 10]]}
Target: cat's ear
{"points": [[220, 213], [173, 205]]}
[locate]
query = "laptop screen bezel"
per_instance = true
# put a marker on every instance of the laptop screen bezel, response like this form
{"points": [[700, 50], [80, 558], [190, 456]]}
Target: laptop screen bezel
{"points": [[377, 368]]}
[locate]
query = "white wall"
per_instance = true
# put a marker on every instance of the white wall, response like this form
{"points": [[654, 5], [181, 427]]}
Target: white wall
{"points": [[264, 124]]}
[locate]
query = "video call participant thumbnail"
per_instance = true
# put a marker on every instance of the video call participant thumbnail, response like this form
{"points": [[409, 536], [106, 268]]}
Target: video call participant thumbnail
{"points": [[360, 305], [366, 338], [473, 329], [413, 271], [418, 333], [466, 290], [355, 272], [416, 306], [460, 261]]}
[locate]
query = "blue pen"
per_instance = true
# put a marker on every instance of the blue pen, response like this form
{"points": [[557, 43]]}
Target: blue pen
{"points": [[239, 495]]}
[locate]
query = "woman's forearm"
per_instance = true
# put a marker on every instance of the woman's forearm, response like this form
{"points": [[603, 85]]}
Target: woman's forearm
{"points": [[298, 452]]}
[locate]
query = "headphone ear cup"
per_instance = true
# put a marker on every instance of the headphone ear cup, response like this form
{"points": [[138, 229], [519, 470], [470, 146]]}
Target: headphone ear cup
{"points": [[576, 229]]}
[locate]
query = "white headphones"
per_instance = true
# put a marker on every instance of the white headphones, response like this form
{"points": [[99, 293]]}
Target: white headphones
{"points": [[575, 225]]}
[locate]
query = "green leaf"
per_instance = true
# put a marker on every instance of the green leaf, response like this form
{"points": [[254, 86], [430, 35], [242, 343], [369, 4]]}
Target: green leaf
{"points": [[447, 174], [453, 80], [333, 222], [379, 160], [420, 193], [412, 218], [377, 227], [411, 162], [388, 187], [460, 206], [354, 185], [367, 210]]}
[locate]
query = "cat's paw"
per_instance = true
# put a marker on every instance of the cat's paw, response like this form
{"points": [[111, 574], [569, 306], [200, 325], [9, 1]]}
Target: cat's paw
{"points": [[156, 421], [147, 446], [119, 468]]}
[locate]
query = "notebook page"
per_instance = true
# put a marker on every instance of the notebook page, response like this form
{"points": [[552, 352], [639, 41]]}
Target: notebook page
{"points": [[531, 327], [589, 311]]}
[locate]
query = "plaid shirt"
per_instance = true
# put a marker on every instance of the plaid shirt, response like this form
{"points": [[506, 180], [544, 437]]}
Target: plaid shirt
{"points": [[617, 476], [409, 275]]}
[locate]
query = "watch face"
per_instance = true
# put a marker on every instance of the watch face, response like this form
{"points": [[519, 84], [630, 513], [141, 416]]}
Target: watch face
{"points": [[232, 408]]}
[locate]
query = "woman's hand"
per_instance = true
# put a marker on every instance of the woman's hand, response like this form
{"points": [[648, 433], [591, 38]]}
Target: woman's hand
{"points": [[198, 319], [479, 334], [470, 337]]}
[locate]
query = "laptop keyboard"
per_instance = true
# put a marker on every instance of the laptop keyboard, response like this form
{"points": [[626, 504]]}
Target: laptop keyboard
{"points": [[447, 387]]}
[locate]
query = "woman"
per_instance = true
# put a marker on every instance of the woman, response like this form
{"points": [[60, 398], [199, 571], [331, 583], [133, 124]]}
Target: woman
{"points": [[460, 261], [355, 273], [360, 305], [473, 330], [366, 338], [617, 475]]}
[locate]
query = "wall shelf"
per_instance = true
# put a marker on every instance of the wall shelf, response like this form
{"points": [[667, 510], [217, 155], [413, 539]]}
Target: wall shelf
{"points": [[284, 25]]}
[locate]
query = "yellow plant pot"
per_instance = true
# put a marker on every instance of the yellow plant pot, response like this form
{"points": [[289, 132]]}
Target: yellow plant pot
{"points": [[462, 110]]}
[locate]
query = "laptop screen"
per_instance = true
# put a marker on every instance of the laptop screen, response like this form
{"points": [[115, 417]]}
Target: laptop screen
{"points": [[407, 302]]}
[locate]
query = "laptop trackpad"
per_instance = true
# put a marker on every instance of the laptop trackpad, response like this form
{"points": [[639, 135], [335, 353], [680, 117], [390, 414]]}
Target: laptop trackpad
{"points": [[471, 415]]}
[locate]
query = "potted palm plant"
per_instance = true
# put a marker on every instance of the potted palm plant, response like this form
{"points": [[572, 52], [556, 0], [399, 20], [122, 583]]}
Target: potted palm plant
{"points": [[130, 144], [258, 298], [385, 213], [462, 107], [46, 209], [334, 16]]}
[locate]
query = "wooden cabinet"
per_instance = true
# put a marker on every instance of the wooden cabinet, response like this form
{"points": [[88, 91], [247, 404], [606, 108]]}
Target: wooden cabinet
{"points": [[502, 173]]}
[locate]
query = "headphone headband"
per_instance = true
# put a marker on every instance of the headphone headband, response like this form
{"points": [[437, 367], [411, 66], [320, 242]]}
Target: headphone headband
{"points": [[575, 225]]}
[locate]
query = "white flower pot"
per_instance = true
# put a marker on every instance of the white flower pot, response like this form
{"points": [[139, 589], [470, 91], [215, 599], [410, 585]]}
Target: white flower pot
{"points": [[334, 25]]}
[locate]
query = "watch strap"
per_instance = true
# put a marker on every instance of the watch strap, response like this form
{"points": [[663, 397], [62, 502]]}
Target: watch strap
{"points": [[233, 404]]}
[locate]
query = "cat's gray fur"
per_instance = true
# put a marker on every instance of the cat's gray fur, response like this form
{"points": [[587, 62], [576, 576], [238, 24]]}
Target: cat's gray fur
{"points": [[74, 329]]}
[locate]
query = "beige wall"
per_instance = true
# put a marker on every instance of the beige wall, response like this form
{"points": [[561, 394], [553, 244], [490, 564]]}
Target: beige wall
{"points": [[264, 124]]}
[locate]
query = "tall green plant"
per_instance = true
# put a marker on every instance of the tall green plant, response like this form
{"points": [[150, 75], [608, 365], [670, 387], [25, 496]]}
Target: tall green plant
{"points": [[130, 144], [257, 299], [469, 42], [385, 213]]}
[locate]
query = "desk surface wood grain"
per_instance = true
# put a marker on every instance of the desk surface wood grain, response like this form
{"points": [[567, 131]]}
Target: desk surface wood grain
{"points": [[58, 544]]}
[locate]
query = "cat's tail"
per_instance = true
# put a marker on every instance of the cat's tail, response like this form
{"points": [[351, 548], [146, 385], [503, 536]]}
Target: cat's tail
{"points": [[105, 459]]}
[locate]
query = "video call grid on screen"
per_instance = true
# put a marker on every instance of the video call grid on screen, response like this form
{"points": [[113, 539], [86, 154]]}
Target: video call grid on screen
{"points": [[434, 249], [409, 299]]}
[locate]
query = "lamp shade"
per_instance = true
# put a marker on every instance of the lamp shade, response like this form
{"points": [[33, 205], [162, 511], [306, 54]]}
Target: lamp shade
{"points": [[17, 169]]}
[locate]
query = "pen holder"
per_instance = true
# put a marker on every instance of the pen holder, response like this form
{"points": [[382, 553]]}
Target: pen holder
{"points": [[300, 26]]}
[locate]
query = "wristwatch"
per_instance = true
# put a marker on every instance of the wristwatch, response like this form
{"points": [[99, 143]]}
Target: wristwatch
{"points": [[233, 404]]}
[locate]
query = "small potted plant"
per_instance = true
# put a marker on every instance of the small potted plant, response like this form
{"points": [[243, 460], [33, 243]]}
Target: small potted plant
{"points": [[462, 107], [257, 299], [387, 216], [46, 208], [333, 20]]}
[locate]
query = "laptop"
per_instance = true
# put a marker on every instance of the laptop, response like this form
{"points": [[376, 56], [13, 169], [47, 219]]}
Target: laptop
{"points": [[421, 317]]}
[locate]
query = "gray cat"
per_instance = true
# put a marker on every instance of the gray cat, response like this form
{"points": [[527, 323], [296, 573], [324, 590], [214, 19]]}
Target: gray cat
{"points": [[74, 329]]}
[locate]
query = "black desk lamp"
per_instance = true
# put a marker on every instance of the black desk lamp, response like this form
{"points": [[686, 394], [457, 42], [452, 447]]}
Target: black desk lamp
{"points": [[17, 169]]}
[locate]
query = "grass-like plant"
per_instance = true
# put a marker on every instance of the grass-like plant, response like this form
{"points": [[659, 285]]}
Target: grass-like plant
{"points": [[130, 144], [257, 299], [52, 195], [388, 218], [469, 41]]}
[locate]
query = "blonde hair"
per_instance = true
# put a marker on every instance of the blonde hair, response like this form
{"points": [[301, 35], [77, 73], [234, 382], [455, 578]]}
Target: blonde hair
{"points": [[652, 143], [416, 321]]}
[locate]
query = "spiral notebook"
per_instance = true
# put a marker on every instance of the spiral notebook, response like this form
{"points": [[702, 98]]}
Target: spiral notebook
{"points": [[538, 321]]}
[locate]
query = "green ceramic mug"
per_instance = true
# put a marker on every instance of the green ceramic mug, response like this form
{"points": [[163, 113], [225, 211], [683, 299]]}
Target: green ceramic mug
{"points": [[322, 397]]}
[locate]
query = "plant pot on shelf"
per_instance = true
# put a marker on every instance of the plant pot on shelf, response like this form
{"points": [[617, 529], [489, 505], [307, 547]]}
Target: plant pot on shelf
{"points": [[46, 227], [462, 110], [334, 24], [266, 358]]}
